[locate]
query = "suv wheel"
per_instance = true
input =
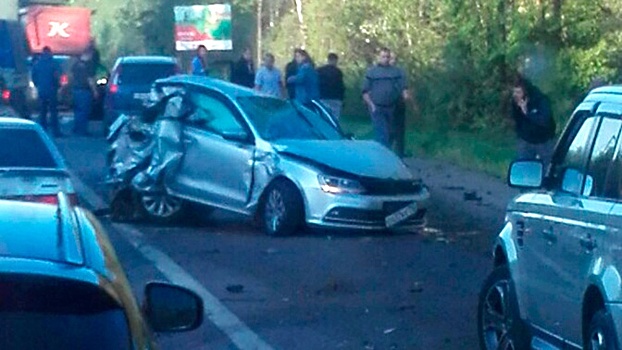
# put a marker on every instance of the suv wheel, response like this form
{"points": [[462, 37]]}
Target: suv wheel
{"points": [[161, 208], [498, 323], [282, 209], [602, 333]]}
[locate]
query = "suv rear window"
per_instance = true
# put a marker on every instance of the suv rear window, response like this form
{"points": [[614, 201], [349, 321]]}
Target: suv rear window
{"points": [[144, 73], [39, 312], [24, 148]]}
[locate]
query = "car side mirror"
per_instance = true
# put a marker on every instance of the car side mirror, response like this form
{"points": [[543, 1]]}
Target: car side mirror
{"points": [[170, 308], [526, 174]]}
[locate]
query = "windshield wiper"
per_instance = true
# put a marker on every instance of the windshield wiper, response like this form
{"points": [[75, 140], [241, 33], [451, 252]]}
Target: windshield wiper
{"points": [[299, 112]]}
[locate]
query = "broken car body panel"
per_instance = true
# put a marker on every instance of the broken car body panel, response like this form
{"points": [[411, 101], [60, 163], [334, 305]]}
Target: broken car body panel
{"points": [[231, 144]]}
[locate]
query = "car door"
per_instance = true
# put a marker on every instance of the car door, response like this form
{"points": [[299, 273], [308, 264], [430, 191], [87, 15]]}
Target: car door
{"points": [[541, 272], [581, 226], [217, 166]]}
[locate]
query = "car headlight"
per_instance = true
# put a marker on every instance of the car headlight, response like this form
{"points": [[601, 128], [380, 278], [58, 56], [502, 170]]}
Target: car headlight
{"points": [[335, 185]]}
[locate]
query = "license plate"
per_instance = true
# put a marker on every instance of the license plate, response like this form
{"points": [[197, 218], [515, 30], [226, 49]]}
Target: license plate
{"points": [[142, 96], [401, 215]]}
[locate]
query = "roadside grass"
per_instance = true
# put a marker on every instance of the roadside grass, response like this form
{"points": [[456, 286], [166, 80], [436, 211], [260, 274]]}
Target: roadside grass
{"points": [[486, 151]]}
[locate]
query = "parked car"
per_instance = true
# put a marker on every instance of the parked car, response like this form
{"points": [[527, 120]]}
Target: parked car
{"points": [[13, 69], [130, 83], [31, 167], [225, 146], [62, 286], [557, 272]]}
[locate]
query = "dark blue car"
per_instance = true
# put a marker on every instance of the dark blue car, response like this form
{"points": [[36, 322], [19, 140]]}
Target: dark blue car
{"points": [[130, 83]]}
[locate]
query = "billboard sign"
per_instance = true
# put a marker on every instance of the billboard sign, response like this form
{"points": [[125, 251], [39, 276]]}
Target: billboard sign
{"points": [[66, 30], [208, 25]]}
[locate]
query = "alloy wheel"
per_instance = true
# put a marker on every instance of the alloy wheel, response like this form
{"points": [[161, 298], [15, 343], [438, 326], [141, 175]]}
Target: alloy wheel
{"points": [[161, 205], [597, 340], [496, 320], [275, 210]]}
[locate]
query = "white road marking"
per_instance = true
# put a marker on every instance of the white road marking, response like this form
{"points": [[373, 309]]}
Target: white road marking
{"points": [[238, 332]]}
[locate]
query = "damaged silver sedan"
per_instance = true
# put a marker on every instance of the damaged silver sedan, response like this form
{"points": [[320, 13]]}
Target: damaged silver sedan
{"points": [[210, 142]]}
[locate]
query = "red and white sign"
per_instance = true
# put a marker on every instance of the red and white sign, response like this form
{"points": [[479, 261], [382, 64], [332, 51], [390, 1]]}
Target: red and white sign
{"points": [[66, 30]]}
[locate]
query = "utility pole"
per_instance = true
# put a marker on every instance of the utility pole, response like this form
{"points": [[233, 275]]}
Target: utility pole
{"points": [[259, 29]]}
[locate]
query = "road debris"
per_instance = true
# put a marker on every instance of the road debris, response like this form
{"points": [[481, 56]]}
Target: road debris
{"points": [[472, 196], [235, 288], [417, 287], [389, 330]]}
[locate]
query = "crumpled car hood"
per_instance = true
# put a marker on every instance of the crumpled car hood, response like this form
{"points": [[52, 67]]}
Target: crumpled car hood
{"points": [[355, 157]]}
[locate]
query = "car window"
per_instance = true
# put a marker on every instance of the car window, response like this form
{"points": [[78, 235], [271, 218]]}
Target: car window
{"points": [[144, 73], [571, 170], [213, 115], [602, 156], [277, 119], [24, 148], [50, 313]]}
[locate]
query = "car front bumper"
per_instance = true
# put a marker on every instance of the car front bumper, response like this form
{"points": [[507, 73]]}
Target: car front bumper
{"points": [[364, 212], [615, 310]]}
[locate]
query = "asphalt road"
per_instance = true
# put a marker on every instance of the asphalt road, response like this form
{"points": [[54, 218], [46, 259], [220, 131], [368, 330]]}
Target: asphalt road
{"points": [[312, 291]]}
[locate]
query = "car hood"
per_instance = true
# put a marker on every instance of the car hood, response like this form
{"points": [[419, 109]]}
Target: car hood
{"points": [[354, 157]]}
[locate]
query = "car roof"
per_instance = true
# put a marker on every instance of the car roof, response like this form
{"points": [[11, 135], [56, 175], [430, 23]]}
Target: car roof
{"points": [[223, 86], [4, 121], [610, 93], [146, 60], [46, 239]]}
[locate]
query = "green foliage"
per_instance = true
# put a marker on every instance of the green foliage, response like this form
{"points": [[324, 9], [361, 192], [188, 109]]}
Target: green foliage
{"points": [[460, 55]]}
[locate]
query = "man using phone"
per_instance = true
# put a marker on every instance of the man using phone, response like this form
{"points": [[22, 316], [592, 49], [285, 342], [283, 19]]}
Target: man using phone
{"points": [[535, 126]]}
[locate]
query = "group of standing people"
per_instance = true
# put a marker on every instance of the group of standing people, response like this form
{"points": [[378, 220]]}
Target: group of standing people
{"points": [[385, 92], [385, 88], [46, 76], [302, 81]]}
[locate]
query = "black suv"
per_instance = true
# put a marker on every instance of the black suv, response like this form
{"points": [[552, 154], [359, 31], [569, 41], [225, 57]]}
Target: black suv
{"points": [[62, 287]]}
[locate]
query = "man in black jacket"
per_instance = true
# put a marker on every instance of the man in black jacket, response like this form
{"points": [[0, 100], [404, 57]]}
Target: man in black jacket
{"points": [[332, 88], [243, 72], [291, 70], [535, 126]]}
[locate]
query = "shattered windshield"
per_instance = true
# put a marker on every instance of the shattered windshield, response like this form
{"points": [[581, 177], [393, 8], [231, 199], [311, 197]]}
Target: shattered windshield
{"points": [[277, 119]]}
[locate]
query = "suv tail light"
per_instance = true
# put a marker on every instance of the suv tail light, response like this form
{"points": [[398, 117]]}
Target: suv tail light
{"points": [[114, 88], [64, 80], [6, 95]]}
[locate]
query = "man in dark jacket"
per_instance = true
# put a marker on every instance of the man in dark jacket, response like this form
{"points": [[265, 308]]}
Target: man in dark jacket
{"points": [[332, 88], [535, 126], [243, 72], [291, 70], [46, 77], [84, 93]]}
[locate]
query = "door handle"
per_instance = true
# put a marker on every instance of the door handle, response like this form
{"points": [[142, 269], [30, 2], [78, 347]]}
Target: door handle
{"points": [[549, 235], [189, 141], [588, 243]]}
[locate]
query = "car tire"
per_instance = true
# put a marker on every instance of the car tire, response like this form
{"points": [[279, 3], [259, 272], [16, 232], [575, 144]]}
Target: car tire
{"points": [[602, 333], [161, 208], [282, 209], [499, 326]]}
